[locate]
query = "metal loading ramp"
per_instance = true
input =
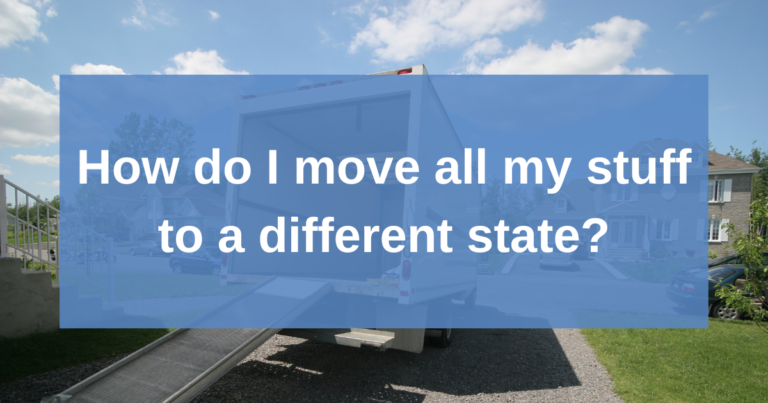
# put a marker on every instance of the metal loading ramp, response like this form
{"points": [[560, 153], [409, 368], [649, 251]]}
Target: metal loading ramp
{"points": [[178, 366]]}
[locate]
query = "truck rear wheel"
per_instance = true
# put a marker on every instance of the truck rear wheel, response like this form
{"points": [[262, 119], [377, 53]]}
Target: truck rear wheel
{"points": [[445, 339], [442, 314]]}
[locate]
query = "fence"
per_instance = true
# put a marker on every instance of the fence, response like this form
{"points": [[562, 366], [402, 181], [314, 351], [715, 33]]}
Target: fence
{"points": [[30, 232]]}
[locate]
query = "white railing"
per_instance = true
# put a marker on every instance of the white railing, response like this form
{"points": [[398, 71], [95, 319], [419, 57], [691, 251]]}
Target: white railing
{"points": [[23, 218], [88, 255]]}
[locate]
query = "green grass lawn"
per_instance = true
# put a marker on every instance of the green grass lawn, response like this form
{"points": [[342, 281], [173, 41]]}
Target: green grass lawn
{"points": [[726, 363], [24, 237], [44, 352], [652, 272]]}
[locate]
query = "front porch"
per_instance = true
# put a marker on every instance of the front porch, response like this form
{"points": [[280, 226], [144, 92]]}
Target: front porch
{"points": [[627, 237]]}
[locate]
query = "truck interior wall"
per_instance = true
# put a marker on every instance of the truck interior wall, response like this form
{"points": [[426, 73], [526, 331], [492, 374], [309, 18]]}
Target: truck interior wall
{"points": [[258, 204]]}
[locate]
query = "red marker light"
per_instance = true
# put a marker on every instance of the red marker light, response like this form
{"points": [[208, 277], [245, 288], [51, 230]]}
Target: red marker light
{"points": [[406, 269], [404, 71]]}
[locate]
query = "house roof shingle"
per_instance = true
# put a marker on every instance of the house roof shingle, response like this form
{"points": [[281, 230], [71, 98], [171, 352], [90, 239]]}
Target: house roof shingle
{"points": [[719, 161]]}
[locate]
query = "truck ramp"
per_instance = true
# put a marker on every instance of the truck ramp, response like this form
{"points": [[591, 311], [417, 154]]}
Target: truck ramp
{"points": [[178, 366]]}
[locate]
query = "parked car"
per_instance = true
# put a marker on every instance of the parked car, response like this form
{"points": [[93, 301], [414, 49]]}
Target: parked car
{"points": [[204, 260], [682, 289], [149, 248], [98, 255], [733, 259], [556, 258]]}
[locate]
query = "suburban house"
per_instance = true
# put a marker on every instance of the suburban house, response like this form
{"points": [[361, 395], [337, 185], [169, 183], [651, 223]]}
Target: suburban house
{"points": [[656, 220], [729, 196], [146, 206]]}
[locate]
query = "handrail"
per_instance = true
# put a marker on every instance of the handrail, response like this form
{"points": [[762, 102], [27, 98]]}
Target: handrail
{"points": [[17, 187], [30, 250], [27, 249]]}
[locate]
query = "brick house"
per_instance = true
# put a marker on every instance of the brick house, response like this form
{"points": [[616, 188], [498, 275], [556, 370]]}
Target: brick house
{"points": [[729, 196], [652, 220]]}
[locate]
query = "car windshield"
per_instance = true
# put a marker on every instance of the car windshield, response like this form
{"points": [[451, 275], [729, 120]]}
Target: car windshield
{"points": [[721, 260], [214, 252], [721, 273]]}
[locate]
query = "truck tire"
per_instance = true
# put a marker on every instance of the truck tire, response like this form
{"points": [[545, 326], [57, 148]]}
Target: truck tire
{"points": [[442, 312], [445, 339]]}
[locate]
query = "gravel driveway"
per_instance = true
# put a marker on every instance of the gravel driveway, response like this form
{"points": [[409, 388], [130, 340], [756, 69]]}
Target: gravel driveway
{"points": [[490, 365]]}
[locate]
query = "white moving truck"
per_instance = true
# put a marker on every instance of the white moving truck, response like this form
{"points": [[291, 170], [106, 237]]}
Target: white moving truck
{"points": [[297, 288], [415, 287]]}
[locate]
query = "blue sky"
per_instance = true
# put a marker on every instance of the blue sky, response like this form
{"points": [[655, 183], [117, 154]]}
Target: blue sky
{"points": [[726, 40]]}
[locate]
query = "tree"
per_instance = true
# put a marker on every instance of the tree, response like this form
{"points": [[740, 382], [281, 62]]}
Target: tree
{"points": [[37, 213], [758, 157], [511, 203], [751, 245], [96, 214], [152, 138]]}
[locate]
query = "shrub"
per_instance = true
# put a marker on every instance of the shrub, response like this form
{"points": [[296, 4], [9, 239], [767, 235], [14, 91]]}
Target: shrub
{"points": [[659, 250]]}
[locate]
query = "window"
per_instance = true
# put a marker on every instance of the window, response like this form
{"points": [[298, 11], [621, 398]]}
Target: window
{"points": [[614, 232], [560, 205], [696, 158], [715, 231], [715, 191], [624, 193], [664, 230]]}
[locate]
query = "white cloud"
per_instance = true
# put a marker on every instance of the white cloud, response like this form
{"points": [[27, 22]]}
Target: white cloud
{"points": [[133, 21], [213, 15], [324, 35], [613, 44], [423, 25], [54, 183], [145, 15], [29, 116], [5, 170], [18, 22], [51, 12], [90, 68], [200, 62], [356, 9], [56, 81], [707, 15], [47, 160], [480, 50]]}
